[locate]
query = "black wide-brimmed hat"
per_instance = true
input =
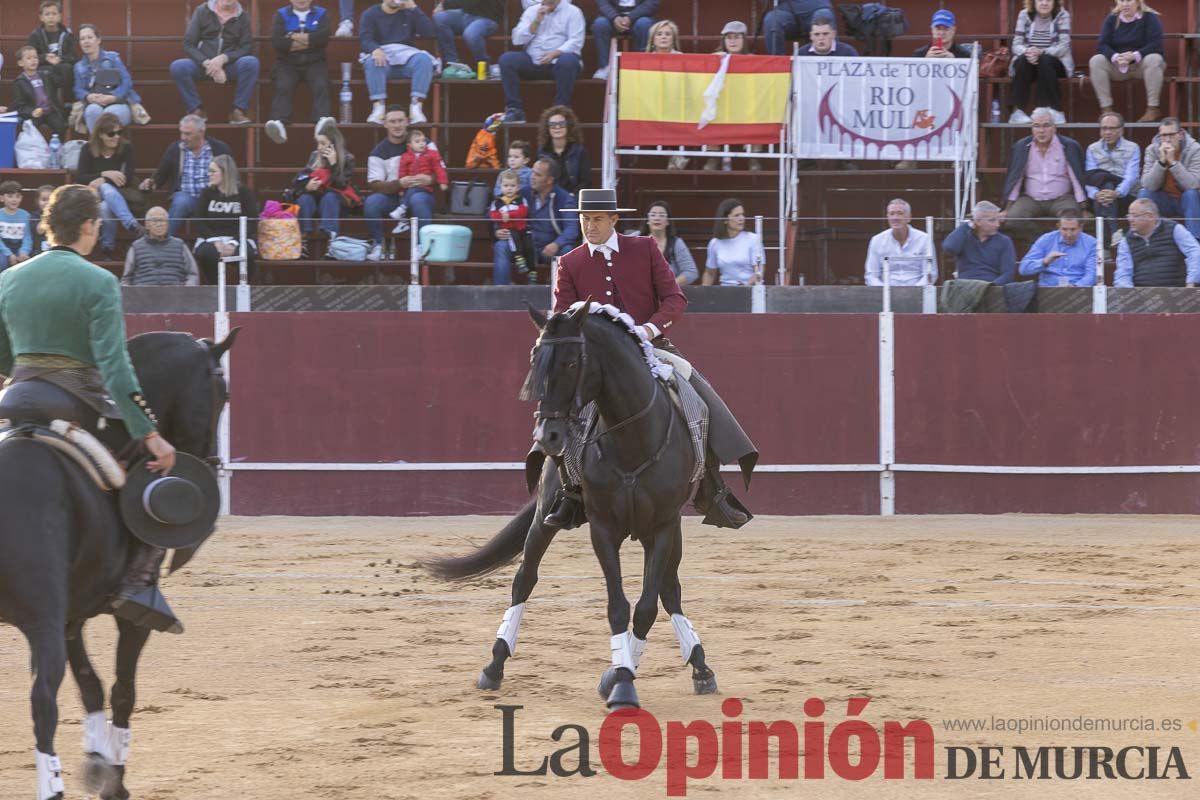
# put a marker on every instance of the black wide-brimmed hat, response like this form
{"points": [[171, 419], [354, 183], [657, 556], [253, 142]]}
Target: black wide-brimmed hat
{"points": [[175, 510], [598, 200]]}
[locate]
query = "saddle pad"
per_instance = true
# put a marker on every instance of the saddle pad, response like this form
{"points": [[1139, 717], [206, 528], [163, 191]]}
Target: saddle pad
{"points": [[79, 446]]}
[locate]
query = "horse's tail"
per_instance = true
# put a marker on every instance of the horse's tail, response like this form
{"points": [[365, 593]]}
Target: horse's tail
{"points": [[503, 548]]}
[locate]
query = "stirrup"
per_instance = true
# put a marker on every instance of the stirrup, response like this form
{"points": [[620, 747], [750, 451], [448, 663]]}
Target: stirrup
{"points": [[567, 513], [726, 511], [148, 608]]}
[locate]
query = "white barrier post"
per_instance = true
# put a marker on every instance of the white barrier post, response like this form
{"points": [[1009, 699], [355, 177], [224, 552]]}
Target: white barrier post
{"points": [[1099, 289], [929, 291], [220, 331], [887, 284], [414, 267], [758, 292], [243, 287]]}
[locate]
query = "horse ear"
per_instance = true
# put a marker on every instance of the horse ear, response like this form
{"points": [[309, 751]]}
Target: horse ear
{"points": [[581, 313], [539, 319], [220, 348]]}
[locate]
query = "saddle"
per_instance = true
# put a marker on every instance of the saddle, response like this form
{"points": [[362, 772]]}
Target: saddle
{"points": [[41, 411]]}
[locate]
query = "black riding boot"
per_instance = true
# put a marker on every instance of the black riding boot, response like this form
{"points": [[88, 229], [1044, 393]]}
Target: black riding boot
{"points": [[567, 511], [139, 600], [716, 502]]}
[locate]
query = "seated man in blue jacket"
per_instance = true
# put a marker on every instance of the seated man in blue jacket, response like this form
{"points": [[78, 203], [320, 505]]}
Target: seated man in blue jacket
{"points": [[1063, 257], [553, 232], [980, 251]]}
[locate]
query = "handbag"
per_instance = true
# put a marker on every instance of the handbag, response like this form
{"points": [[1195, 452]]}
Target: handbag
{"points": [[279, 238], [347, 248], [995, 63], [470, 198], [106, 80], [135, 198]]}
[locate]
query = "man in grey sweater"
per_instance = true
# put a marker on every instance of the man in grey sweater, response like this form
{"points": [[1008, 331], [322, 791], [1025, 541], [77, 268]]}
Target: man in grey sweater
{"points": [[159, 259]]}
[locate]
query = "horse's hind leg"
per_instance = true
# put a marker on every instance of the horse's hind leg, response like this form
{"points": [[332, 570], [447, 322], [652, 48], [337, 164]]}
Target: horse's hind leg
{"points": [[99, 774], [130, 642], [690, 649], [48, 647]]}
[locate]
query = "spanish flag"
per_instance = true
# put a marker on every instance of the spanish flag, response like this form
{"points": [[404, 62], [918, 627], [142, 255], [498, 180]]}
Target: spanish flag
{"points": [[693, 99]]}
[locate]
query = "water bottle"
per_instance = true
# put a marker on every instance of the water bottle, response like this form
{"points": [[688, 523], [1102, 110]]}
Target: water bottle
{"points": [[345, 97], [995, 112], [55, 152]]}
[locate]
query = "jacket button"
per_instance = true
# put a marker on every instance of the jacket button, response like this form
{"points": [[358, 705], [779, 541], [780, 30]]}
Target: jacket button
{"points": [[608, 277], [609, 294]]}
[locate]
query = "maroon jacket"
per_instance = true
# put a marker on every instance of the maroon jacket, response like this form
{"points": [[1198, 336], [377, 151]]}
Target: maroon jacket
{"points": [[641, 282]]}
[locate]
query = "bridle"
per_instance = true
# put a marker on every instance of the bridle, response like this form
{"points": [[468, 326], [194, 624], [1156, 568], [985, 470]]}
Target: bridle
{"points": [[219, 393]]}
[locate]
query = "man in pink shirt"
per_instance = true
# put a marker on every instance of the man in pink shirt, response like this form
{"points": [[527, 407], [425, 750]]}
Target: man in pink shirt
{"points": [[1045, 176]]}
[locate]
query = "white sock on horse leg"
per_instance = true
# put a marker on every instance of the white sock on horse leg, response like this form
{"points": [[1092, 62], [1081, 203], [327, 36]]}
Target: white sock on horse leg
{"points": [[627, 651], [510, 626], [686, 634], [119, 740], [95, 734], [49, 775]]}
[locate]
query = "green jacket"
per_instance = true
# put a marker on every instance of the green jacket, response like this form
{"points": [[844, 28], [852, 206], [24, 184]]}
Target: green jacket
{"points": [[58, 303]]}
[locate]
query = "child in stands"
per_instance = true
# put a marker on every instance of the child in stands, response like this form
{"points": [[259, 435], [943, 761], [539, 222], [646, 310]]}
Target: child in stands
{"points": [[35, 95], [419, 159], [511, 213], [55, 45], [520, 158], [16, 232], [40, 245]]}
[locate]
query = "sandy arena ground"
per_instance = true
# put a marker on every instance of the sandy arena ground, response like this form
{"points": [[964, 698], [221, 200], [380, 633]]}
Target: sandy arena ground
{"points": [[320, 662]]}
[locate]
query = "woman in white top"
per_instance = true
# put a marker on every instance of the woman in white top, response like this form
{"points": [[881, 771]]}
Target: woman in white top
{"points": [[735, 255], [1041, 51]]}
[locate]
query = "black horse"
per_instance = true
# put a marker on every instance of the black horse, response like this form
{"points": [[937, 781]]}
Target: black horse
{"points": [[636, 477], [63, 550]]}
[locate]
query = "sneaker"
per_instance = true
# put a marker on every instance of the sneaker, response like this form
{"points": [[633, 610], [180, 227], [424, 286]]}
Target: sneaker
{"points": [[1019, 117], [345, 30], [455, 71], [1058, 117], [677, 162], [400, 212], [600, 74], [494, 72], [514, 116], [401, 226], [199, 111], [378, 112], [276, 132], [416, 114], [239, 117], [375, 253], [139, 114], [906, 164]]}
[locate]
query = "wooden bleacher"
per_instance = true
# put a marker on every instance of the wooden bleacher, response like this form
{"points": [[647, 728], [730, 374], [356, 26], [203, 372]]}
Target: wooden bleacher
{"points": [[830, 243]]}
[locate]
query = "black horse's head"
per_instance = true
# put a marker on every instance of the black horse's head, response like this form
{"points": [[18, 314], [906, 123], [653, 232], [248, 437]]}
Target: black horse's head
{"points": [[559, 377], [184, 383]]}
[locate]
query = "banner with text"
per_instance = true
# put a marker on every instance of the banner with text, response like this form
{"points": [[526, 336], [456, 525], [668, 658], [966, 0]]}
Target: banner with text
{"points": [[886, 108]]}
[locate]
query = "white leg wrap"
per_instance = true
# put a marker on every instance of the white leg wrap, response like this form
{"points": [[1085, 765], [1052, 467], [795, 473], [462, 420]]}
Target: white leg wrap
{"points": [[49, 776], [627, 651], [95, 735], [119, 740], [509, 627], [686, 634]]}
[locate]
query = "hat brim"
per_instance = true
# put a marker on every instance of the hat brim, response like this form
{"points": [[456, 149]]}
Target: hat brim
{"points": [[599, 210], [158, 534]]}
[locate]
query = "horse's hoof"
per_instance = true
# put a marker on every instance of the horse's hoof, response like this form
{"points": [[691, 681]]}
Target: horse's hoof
{"points": [[607, 681], [487, 683], [623, 695], [99, 776], [705, 685]]}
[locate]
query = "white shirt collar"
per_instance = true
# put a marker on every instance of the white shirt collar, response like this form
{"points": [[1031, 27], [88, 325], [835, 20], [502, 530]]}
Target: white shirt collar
{"points": [[611, 244]]}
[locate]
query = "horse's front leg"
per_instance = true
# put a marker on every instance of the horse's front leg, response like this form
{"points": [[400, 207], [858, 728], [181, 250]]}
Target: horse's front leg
{"points": [[616, 684], [131, 640]]}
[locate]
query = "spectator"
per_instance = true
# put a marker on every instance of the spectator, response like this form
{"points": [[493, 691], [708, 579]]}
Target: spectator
{"points": [[158, 258], [552, 231], [980, 251], [823, 39], [733, 41], [510, 213], [735, 255], [906, 249], [942, 28], [1111, 172], [1156, 252], [419, 161], [475, 21], [520, 156], [218, 39], [663, 38], [385, 183], [790, 19], [55, 45], [40, 245], [1063, 257], [1045, 176], [559, 139], [218, 211], [16, 229], [35, 95], [299, 34], [387, 34], [632, 18], [102, 84], [320, 193], [1171, 174], [184, 168], [1041, 52], [345, 29], [106, 165], [552, 34], [1130, 46], [658, 224]]}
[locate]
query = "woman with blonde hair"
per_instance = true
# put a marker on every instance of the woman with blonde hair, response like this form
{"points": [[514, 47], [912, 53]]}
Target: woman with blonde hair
{"points": [[1130, 46], [218, 211], [1041, 50], [663, 38], [325, 176]]}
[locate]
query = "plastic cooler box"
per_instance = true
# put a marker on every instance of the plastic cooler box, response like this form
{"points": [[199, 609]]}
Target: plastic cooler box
{"points": [[8, 140], [445, 242]]}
